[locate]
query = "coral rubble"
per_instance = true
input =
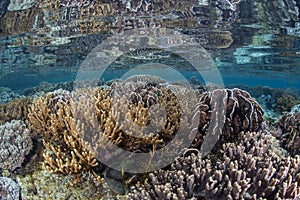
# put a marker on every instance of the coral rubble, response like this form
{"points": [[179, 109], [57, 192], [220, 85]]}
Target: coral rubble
{"points": [[15, 144]]}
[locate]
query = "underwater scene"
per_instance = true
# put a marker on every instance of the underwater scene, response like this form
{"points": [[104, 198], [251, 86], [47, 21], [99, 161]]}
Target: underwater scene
{"points": [[150, 99]]}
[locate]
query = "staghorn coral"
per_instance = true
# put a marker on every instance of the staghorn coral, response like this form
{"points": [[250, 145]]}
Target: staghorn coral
{"points": [[15, 109], [241, 113], [51, 116], [9, 189], [287, 130], [15, 144], [249, 170]]}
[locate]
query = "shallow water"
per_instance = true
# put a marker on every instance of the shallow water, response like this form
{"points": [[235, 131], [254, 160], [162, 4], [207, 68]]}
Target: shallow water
{"points": [[248, 43], [47, 47]]}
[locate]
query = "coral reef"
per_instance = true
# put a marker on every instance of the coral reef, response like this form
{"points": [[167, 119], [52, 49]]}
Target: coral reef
{"points": [[274, 99], [287, 130], [235, 108], [248, 170], [9, 189], [15, 109], [6, 95], [74, 125], [51, 116], [130, 102], [15, 144]]}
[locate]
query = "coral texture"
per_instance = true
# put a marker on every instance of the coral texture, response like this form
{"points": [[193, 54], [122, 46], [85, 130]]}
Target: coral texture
{"points": [[51, 116], [42, 184], [249, 170], [75, 125], [235, 109], [131, 102], [15, 109], [9, 189], [15, 144], [287, 130]]}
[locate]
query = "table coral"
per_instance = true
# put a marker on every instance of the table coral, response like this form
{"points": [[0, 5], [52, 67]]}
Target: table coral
{"points": [[15, 144], [248, 170]]}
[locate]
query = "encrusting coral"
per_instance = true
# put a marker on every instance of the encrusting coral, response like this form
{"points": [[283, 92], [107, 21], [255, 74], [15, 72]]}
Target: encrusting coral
{"points": [[15, 144], [42, 184], [248, 170]]}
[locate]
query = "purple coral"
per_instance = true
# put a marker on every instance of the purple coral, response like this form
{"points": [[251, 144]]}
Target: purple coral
{"points": [[235, 109], [15, 144], [249, 170], [9, 189]]}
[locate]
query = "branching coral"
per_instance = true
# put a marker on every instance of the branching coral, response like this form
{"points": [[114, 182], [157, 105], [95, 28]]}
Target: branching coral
{"points": [[249, 170], [51, 116], [143, 113], [125, 117], [76, 125], [15, 144]]}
